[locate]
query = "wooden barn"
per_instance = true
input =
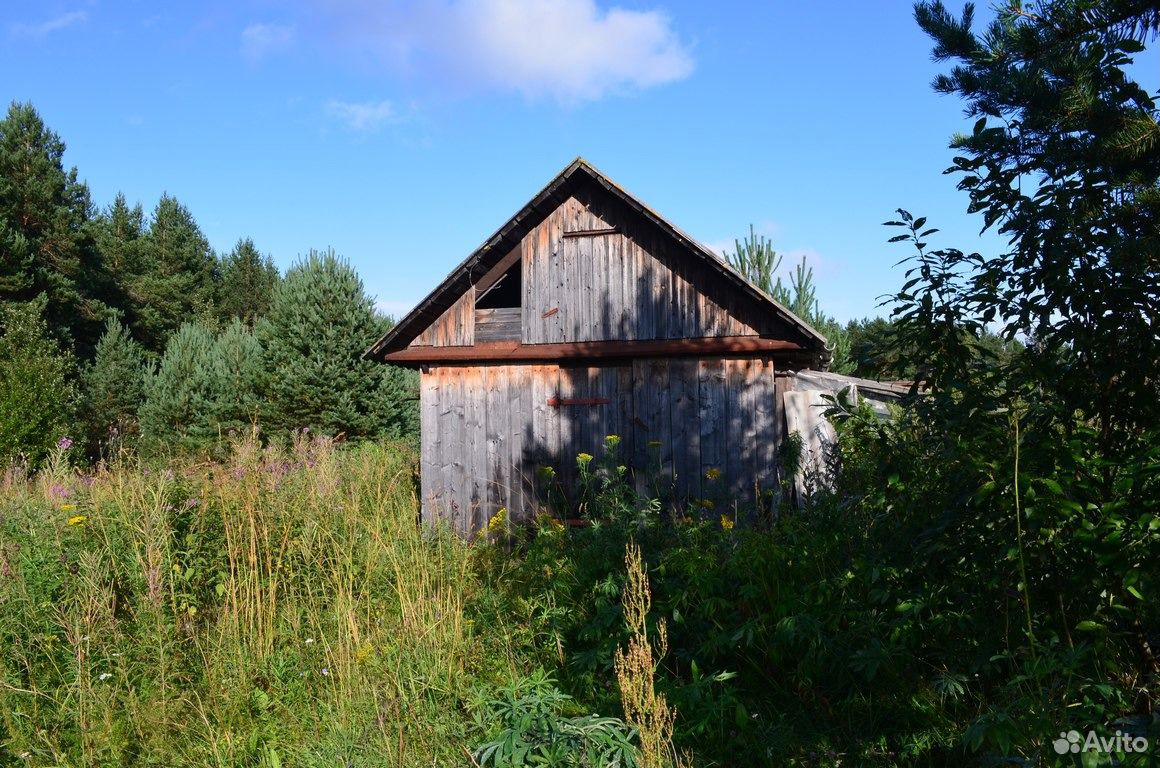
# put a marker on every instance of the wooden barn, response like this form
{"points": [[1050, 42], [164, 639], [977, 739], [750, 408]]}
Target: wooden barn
{"points": [[588, 315]]}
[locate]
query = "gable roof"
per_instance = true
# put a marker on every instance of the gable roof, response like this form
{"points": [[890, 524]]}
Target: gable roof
{"points": [[559, 189]]}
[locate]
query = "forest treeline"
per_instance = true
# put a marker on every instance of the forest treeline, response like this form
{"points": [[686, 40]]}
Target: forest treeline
{"points": [[120, 328]]}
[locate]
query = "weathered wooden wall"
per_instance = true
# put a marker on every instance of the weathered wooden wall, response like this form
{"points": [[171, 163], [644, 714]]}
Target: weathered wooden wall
{"points": [[593, 273], [488, 429], [454, 328]]}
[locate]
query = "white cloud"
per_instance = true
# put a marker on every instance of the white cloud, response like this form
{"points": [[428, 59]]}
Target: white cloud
{"points": [[45, 28], [568, 50], [363, 116], [260, 40]]}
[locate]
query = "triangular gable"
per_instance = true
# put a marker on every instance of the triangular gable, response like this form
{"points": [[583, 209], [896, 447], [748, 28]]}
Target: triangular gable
{"points": [[455, 295]]}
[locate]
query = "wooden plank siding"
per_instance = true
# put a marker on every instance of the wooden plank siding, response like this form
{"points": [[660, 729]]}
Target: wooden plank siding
{"points": [[497, 324], [591, 272], [454, 328], [489, 429]]}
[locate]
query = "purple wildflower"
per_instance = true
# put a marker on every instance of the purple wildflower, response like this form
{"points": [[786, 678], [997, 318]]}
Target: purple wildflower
{"points": [[64, 443]]}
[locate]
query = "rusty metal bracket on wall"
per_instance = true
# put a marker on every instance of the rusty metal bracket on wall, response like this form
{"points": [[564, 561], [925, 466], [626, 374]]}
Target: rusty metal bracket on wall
{"points": [[555, 401]]}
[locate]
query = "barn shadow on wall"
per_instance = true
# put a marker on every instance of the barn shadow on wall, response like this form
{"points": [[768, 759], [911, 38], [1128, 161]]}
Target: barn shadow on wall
{"points": [[700, 433]]}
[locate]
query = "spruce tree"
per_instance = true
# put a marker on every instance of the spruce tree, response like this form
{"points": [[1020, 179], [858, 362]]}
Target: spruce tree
{"points": [[37, 393], [171, 415], [175, 282], [119, 235], [112, 389], [245, 283], [320, 322]]}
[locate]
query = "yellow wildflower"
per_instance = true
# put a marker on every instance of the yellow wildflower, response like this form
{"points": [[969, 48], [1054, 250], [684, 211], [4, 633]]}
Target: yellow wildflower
{"points": [[363, 653], [583, 459], [727, 522], [547, 472], [77, 519], [706, 503], [612, 441], [67, 507], [497, 520], [712, 473]]}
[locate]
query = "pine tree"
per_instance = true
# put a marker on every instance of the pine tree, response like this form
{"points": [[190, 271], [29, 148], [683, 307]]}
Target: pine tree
{"points": [[758, 263], [170, 416], [1064, 162], [45, 244], [37, 394], [320, 322], [756, 260], [227, 385], [112, 388], [396, 410], [246, 282]]}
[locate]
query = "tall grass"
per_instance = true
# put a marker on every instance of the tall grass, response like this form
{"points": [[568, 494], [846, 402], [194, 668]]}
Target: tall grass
{"points": [[278, 608]]}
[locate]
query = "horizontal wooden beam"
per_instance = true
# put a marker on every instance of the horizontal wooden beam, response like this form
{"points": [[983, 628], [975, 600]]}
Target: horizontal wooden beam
{"points": [[496, 272], [592, 232], [503, 351]]}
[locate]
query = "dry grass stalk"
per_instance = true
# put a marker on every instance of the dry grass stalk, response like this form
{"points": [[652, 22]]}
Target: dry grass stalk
{"points": [[644, 708]]}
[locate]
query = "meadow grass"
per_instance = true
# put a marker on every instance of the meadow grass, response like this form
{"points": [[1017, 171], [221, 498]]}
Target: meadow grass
{"points": [[281, 607]]}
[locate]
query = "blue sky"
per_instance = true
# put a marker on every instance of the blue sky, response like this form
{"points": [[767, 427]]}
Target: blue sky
{"points": [[402, 134]]}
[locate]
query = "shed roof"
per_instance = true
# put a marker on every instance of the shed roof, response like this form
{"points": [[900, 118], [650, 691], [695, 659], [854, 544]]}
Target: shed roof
{"points": [[578, 172]]}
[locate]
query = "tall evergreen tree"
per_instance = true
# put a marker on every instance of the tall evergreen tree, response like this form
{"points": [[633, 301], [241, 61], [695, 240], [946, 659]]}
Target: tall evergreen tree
{"points": [[757, 261], [170, 415], [246, 280], [227, 384], [120, 236], [37, 394], [320, 322], [396, 411], [112, 389], [1064, 161], [45, 245], [175, 283]]}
